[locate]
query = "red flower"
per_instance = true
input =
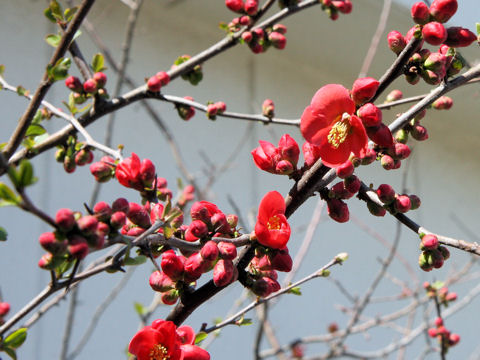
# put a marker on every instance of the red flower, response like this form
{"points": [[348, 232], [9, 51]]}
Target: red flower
{"points": [[162, 340], [281, 160], [272, 228], [328, 122]]}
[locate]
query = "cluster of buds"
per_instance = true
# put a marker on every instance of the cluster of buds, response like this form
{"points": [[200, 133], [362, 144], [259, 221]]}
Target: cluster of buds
{"points": [[443, 295], [81, 91], [185, 112], [333, 7], [248, 7], [237, 23], [259, 40], [73, 153], [4, 310], [194, 75], [392, 202], [214, 109], [445, 338], [281, 160], [433, 254], [158, 80], [136, 174], [343, 190], [263, 269], [76, 234], [414, 129], [103, 170]]}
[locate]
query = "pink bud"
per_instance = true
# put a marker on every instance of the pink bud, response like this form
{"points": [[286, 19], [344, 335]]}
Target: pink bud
{"points": [[344, 170], [385, 193], [394, 95], [51, 244], [370, 115], [227, 251], [147, 172], [442, 10], [451, 296], [117, 220], [194, 267], [429, 242], [87, 224], [161, 282], [209, 251], [78, 247], [434, 33], [154, 84], [268, 108], [432, 332], [100, 78], [101, 170], [454, 339], [251, 7], [198, 228], [288, 149], [282, 29], [443, 103], [402, 203], [311, 153], [282, 261], [338, 210], [234, 5], [102, 211], [420, 13], [402, 151], [396, 41], [138, 215], [435, 61], [380, 135], [65, 219], [459, 37], [4, 308], [170, 297], [74, 84], [419, 132], [120, 204], [415, 201], [344, 6], [247, 36], [364, 89], [278, 40], [223, 272], [387, 162], [376, 209], [90, 86]]}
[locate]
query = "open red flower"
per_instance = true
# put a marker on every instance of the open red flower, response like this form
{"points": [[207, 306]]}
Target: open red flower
{"points": [[135, 174], [272, 228], [328, 122], [163, 340]]}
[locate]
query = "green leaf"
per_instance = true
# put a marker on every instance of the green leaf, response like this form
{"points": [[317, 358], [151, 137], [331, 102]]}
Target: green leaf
{"points": [[77, 34], [478, 28], [69, 13], [53, 39], [200, 337], [37, 118], [48, 14], [3, 234], [243, 322], [35, 130], [168, 232], [139, 308], [438, 285], [2, 145], [2, 69], [59, 71], [180, 184], [98, 62], [25, 171], [16, 339], [295, 291], [8, 195], [10, 352], [56, 10], [138, 260]]}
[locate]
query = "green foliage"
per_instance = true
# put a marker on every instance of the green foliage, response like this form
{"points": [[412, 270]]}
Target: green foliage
{"points": [[53, 39], [139, 308], [137, 260], [16, 339], [8, 196], [59, 71], [98, 63], [200, 336], [295, 291], [3, 234]]}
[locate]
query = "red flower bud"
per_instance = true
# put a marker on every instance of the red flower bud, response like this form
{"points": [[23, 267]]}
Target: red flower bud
{"points": [[364, 89], [338, 210], [117, 220], [90, 86], [78, 247], [247, 36], [209, 251], [402, 203], [344, 6], [345, 170], [432, 332], [160, 282], [234, 5], [87, 224], [370, 115], [451, 296], [402, 151], [442, 10], [223, 272], [268, 108], [442, 103], [100, 78], [429, 242], [282, 29], [251, 7], [278, 40], [387, 162], [459, 37], [434, 33], [311, 153], [74, 84], [454, 339], [65, 219], [227, 251], [198, 228], [170, 297], [396, 41], [102, 170], [194, 267], [138, 215], [376, 209], [420, 13], [394, 95], [415, 202], [172, 265], [352, 184], [154, 84], [102, 211], [419, 132], [288, 149], [435, 61], [51, 244], [282, 261], [120, 204], [4, 308], [266, 156], [147, 172], [385, 193], [380, 135]]}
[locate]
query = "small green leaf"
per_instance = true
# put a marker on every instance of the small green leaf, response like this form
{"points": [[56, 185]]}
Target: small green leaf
{"points": [[13, 175], [97, 63], [35, 130], [48, 14], [2, 145], [478, 28], [223, 26], [138, 260], [8, 195], [3, 234], [139, 308], [168, 232], [295, 291], [2, 69], [77, 34], [10, 352], [243, 322], [56, 10], [53, 39], [37, 118], [16, 339], [69, 13], [438, 285], [59, 71], [180, 184], [200, 337], [22, 91], [25, 171]]}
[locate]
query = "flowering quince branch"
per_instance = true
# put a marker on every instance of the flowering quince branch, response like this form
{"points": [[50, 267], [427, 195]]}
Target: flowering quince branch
{"points": [[322, 272], [368, 194], [71, 119]]}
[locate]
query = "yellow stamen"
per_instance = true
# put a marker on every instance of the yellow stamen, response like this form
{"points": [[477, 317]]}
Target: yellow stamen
{"points": [[339, 131], [159, 352], [274, 223]]}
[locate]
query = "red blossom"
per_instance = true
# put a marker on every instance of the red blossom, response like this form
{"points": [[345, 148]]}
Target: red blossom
{"points": [[328, 122], [272, 228], [280, 160]]}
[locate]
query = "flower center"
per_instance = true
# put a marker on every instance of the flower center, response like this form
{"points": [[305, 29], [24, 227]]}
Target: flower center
{"points": [[339, 131], [159, 352], [274, 223]]}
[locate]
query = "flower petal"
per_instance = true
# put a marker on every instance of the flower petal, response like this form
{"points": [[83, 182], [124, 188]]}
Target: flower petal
{"points": [[271, 204]]}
